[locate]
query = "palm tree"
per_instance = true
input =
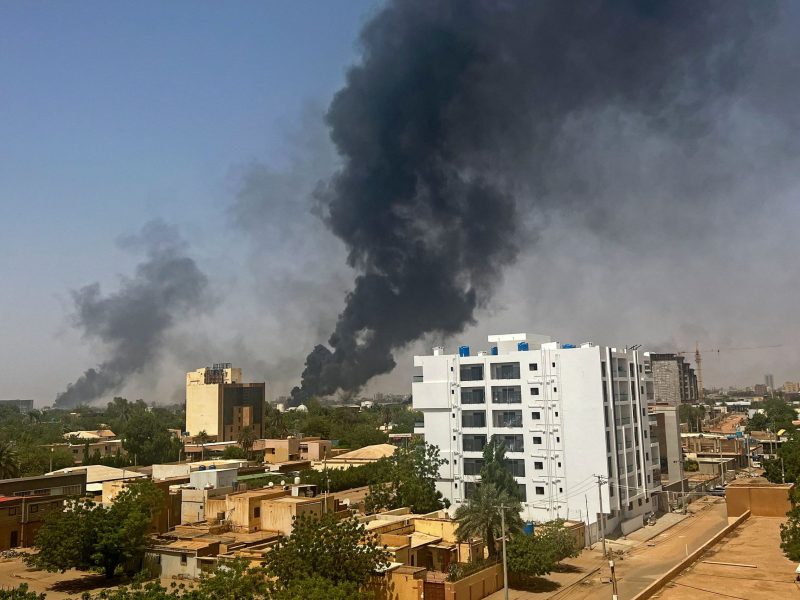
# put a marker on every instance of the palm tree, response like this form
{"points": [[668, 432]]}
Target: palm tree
{"points": [[480, 517], [202, 438], [246, 438], [9, 461]]}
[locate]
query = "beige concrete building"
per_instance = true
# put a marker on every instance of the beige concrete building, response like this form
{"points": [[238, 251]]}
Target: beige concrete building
{"points": [[218, 403]]}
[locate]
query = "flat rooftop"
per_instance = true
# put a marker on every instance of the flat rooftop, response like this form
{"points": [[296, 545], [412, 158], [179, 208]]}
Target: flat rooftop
{"points": [[755, 567]]}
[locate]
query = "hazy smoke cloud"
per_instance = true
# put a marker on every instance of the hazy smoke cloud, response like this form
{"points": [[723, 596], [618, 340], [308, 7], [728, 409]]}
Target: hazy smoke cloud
{"points": [[132, 322], [466, 125]]}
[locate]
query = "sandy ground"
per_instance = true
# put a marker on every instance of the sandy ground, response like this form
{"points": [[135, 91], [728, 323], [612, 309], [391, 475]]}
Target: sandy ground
{"points": [[57, 586], [755, 543]]}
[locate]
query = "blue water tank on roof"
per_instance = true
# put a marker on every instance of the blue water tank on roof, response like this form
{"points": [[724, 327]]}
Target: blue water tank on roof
{"points": [[463, 351], [567, 346], [493, 351], [522, 346]]}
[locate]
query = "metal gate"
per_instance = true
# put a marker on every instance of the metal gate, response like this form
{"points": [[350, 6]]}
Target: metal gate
{"points": [[434, 590]]}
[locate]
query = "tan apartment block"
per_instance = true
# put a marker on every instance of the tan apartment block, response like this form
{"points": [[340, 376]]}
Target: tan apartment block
{"points": [[218, 403]]}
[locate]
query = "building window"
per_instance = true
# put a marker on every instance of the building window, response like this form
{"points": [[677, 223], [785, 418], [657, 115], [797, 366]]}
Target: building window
{"points": [[536, 415], [559, 464], [184, 560], [473, 466], [35, 508], [474, 443], [514, 443], [473, 418], [537, 439], [471, 372], [533, 367], [257, 512], [630, 369], [554, 365], [534, 391], [507, 418], [522, 492], [555, 389], [515, 466], [556, 413], [538, 465], [469, 489], [560, 490], [540, 490], [603, 368], [507, 395], [473, 396], [505, 371], [558, 438]]}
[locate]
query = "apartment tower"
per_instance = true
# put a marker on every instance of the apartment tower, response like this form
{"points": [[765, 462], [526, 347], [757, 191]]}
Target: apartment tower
{"points": [[567, 415]]}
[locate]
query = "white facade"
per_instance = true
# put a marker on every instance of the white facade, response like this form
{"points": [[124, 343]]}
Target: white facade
{"points": [[567, 414]]}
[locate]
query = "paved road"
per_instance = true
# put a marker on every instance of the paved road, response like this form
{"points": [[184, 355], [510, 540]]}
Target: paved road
{"points": [[639, 567], [643, 565]]}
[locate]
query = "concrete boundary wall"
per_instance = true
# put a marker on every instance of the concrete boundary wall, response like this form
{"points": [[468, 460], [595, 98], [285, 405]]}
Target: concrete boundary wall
{"points": [[659, 583]]}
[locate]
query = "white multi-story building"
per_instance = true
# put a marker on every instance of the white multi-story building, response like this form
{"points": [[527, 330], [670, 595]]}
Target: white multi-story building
{"points": [[567, 415]]}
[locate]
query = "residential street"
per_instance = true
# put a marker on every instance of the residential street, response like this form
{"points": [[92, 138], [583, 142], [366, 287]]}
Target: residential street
{"points": [[639, 566]]}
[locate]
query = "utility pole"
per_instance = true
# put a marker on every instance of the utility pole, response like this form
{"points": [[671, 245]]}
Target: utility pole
{"points": [[614, 591], [505, 563], [601, 521], [783, 473]]}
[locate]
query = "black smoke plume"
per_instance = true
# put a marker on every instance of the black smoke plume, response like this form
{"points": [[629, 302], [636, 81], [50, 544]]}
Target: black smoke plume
{"points": [[449, 128], [132, 322]]}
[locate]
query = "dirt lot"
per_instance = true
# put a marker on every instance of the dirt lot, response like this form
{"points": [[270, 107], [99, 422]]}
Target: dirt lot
{"points": [[57, 586], [755, 542]]}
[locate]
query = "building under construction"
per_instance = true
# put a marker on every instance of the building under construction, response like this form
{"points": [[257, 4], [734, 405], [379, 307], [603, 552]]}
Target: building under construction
{"points": [[674, 380]]}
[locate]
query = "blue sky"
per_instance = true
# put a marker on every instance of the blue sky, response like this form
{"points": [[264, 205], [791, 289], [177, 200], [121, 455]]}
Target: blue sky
{"points": [[112, 113]]}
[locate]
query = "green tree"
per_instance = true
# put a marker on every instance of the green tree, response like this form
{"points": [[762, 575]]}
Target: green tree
{"points": [[558, 539], [9, 461], [234, 452], [789, 469], [758, 422], [88, 536], [410, 480], [495, 470], [202, 438], [36, 460], [234, 580], [693, 416], [691, 465], [20, 593], [790, 531], [480, 516], [341, 552], [246, 438], [314, 587], [147, 440]]}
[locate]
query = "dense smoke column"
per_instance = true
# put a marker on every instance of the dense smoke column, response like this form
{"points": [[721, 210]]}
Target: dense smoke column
{"points": [[133, 321], [449, 127]]}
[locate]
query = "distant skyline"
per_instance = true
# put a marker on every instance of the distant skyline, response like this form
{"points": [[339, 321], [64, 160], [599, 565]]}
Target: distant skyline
{"points": [[208, 117]]}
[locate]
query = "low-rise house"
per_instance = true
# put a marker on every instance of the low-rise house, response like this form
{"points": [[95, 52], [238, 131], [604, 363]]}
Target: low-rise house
{"points": [[315, 449], [362, 456], [25, 501], [97, 475], [278, 451]]}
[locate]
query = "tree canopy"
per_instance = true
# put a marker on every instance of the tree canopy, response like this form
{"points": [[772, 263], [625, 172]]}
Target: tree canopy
{"points": [[90, 536], [480, 516], [341, 552], [410, 480], [494, 469], [538, 554]]}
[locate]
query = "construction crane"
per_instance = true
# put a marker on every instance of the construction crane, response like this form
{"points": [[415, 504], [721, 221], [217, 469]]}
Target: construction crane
{"points": [[698, 359]]}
